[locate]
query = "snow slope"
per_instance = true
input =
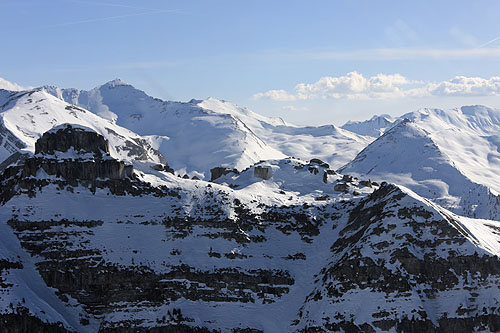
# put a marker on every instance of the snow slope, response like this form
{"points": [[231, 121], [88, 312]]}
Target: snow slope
{"points": [[469, 136]]}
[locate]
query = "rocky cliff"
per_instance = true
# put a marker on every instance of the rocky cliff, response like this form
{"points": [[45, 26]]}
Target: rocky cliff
{"points": [[69, 155]]}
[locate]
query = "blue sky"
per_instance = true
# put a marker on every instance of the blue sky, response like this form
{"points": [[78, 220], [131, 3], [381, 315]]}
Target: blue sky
{"points": [[310, 62]]}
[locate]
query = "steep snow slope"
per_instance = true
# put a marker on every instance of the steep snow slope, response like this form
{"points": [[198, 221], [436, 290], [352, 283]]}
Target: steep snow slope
{"points": [[470, 136], [374, 127], [25, 115], [412, 156], [218, 133]]}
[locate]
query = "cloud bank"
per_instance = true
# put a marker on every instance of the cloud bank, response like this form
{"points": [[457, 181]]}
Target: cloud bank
{"points": [[354, 85]]}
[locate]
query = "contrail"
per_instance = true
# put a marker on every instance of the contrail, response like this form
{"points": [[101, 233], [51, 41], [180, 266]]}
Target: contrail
{"points": [[112, 5], [111, 18], [488, 43]]}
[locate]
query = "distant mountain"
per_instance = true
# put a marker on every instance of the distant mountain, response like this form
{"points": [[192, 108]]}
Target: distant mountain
{"points": [[375, 127], [218, 133]]}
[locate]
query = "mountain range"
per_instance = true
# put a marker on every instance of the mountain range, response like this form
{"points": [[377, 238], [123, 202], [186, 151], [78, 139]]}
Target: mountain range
{"points": [[121, 212]]}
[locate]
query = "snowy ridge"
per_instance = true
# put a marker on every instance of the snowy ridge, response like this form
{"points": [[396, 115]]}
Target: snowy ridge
{"points": [[469, 136], [398, 245], [218, 133]]}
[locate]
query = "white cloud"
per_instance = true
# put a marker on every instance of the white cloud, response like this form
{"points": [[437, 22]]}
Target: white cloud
{"points": [[4, 84], [466, 86], [354, 85], [275, 95]]}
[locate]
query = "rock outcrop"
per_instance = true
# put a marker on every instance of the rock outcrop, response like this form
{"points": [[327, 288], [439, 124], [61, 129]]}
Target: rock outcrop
{"points": [[262, 172], [217, 172], [70, 136], [70, 155]]}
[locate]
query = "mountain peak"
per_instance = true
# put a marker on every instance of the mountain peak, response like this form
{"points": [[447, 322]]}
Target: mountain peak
{"points": [[375, 126], [116, 82]]}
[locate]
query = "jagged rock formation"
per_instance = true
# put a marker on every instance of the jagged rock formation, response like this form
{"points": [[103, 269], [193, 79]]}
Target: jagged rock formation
{"points": [[420, 268], [64, 137], [217, 172]]}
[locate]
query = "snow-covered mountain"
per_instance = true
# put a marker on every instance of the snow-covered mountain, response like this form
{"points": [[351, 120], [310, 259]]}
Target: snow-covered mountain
{"points": [[296, 248], [26, 115], [374, 127], [218, 133], [7, 85], [449, 156], [98, 234]]}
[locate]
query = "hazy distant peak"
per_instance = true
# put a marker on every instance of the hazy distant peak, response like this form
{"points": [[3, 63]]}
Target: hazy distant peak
{"points": [[115, 83]]}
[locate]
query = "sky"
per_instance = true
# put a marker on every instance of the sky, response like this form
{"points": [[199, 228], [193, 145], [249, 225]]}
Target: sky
{"points": [[309, 62]]}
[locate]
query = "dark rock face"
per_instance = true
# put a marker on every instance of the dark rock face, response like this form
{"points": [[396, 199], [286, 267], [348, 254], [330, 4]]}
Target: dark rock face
{"points": [[327, 173], [341, 187], [67, 136], [163, 167], [73, 171], [83, 141], [22, 321], [387, 257], [320, 163]]}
